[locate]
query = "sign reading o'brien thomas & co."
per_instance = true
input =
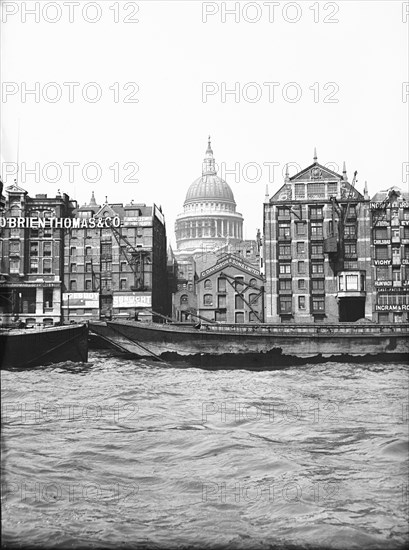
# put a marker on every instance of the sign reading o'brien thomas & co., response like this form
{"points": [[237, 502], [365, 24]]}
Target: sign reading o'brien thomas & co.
{"points": [[59, 223]]}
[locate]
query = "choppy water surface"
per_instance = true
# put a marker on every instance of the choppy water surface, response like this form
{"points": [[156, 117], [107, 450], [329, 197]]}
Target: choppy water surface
{"points": [[130, 452]]}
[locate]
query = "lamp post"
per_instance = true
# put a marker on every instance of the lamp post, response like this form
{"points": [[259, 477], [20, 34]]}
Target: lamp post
{"points": [[68, 305]]}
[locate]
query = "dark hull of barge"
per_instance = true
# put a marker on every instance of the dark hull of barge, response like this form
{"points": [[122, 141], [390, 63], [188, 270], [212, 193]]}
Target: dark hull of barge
{"points": [[257, 345], [25, 348]]}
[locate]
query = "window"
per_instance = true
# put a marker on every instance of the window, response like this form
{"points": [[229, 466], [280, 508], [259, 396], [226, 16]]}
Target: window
{"points": [[350, 264], [221, 284], [239, 283], [88, 284], [300, 248], [350, 231], [253, 299], [318, 304], [317, 284], [316, 212], [301, 284], [253, 282], [285, 304], [383, 317], [220, 316], [350, 249], [123, 284], [208, 300], [352, 211], [382, 273], [283, 212], [239, 317], [332, 188], [406, 232], [106, 249], [316, 190], [301, 267], [122, 266], [33, 249], [317, 268], [299, 190], [316, 229], [46, 266], [300, 228], [284, 230], [284, 250], [317, 249], [106, 284], [381, 252], [208, 284], [381, 233], [352, 282], [396, 254], [48, 232], [88, 267], [48, 298], [184, 299], [34, 233], [238, 302], [252, 317], [14, 266], [106, 265], [301, 302], [396, 233], [285, 269], [34, 265], [73, 268], [14, 247], [47, 249], [396, 275], [221, 301], [285, 284], [73, 284], [88, 251]]}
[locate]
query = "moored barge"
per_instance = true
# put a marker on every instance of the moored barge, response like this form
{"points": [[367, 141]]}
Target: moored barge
{"points": [[20, 348], [285, 342]]}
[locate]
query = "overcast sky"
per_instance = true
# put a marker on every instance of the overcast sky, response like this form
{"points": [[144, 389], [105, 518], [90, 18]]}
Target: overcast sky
{"points": [[334, 74]]}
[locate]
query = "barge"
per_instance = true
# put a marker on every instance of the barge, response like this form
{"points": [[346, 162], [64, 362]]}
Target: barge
{"points": [[277, 343], [21, 348]]}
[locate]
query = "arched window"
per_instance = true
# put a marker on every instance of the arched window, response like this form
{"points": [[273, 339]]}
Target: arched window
{"points": [[207, 300], [208, 284], [253, 282], [252, 317], [184, 299], [253, 299]]}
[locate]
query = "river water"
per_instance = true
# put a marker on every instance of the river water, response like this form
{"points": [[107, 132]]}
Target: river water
{"points": [[128, 453]]}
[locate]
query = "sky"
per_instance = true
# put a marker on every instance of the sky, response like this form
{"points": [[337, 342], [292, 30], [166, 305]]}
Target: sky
{"points": [[150, 80]]}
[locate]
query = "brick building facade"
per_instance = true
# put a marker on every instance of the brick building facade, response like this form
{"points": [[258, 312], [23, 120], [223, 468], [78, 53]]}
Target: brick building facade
{"points": [[32, 256], [317, 249], [116, 271]]}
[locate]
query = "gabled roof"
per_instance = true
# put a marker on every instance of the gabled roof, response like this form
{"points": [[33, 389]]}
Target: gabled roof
{"points": [[15, 189], [113, 210], [324, 174]]}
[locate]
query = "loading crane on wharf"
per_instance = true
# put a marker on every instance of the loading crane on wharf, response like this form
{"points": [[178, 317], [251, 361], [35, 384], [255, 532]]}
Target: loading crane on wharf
{"points": [[334, 244]]}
